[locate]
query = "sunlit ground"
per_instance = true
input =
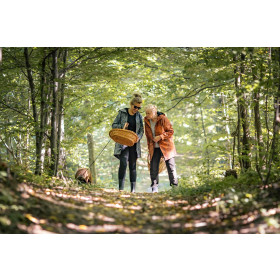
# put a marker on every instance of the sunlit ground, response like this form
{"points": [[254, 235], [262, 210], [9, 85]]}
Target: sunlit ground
{"points": [[76, 209]]}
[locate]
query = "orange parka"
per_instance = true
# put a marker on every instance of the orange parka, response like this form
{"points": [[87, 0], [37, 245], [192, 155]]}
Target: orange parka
{"points": [[163, 128]]}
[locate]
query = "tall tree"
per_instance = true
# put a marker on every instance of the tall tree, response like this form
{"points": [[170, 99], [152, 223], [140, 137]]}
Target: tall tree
{"points": [[54, 109]]}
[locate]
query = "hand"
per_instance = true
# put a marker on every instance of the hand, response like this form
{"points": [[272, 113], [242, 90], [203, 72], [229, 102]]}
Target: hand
{"points": [[126, 125], [157, 138]]}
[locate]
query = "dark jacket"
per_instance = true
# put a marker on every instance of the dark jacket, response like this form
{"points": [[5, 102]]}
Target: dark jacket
{"points": [[119, 122]]}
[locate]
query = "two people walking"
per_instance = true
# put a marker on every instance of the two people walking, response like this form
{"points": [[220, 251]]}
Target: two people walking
{"points": [[159, 134]]}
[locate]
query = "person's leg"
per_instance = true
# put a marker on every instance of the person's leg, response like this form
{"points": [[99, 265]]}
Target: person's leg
{"points": [[172, 174], [132, 167], [122, 169], [154, 167]]}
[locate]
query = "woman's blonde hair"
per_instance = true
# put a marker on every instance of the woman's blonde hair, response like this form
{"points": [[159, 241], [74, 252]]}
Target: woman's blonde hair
{"points": [[151, 107], [136, 99]]}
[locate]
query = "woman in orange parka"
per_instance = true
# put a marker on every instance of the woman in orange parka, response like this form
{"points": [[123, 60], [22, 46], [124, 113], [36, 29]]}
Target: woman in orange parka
{"points": [[159, 133]]}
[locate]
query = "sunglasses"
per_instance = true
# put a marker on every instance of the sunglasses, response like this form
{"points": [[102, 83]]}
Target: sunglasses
{"points": [[136, 107]]}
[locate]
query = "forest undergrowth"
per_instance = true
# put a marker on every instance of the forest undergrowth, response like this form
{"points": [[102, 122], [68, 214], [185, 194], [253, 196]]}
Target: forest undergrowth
{"points": [[42, 204]]}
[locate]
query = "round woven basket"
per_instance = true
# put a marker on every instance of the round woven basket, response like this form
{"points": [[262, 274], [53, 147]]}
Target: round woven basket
{"points": [[162, 164], [123, 136]]}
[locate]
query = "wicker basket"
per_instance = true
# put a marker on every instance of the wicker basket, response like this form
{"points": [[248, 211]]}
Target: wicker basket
{"points": [[162, 164], [123, 136]]}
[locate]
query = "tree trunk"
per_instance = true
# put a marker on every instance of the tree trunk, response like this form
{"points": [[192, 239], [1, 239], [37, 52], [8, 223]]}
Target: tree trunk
{"points": [[43, 119], [276, 122], [0, 57], [243, 120], [238, 128], [231, 159], [205, 141], [91, 157], [245, 123], [27, 140], [53, 140], [266, 109], [34, 109], [47, 154], [60, 132], [260, 157], [233, 152]]}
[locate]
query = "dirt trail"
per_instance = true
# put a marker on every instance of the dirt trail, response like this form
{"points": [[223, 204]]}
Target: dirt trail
{"points": [[75, 209]]}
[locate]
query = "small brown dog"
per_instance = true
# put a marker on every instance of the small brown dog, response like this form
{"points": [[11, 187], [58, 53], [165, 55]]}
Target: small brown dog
{"points": [[83, 175]]}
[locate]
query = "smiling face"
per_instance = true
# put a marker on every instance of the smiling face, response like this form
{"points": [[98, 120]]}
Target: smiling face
{"points": [[151, 114], [134, 108]]}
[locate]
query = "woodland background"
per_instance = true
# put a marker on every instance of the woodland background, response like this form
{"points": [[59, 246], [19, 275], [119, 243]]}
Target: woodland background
{"points": [[151, 23], [223, 104]]}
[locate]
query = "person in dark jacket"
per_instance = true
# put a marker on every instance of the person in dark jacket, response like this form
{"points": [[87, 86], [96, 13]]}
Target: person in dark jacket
{"points": [[131, 119], [159, 133]]}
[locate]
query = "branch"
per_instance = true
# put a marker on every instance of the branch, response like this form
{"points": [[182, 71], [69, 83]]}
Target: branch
{"points": [[197, 92], [72, 64], [163, 70], [16, 110], [8, 148]]}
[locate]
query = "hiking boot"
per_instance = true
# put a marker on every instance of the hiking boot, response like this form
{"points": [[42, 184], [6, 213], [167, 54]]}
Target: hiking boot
{"points": [[121, 185], [133, 187]]}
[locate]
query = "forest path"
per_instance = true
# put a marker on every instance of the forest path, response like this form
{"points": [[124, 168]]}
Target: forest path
{"points": [[79, 209]]}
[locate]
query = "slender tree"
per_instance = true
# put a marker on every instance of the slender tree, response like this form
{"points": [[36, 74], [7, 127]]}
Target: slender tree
{"points": [[91, 156], [53, 139]]}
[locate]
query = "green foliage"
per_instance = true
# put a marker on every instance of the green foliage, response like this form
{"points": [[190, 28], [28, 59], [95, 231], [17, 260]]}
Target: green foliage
{"points": [[216, 187], [193, 86]]}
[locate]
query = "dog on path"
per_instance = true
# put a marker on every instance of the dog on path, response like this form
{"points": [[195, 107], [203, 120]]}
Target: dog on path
{"points": [[83, 175]]}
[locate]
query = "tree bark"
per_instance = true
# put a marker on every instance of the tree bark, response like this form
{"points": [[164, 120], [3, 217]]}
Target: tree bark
{"points": [[238, 128], [260, 156], [206, 143], [60, 130], [231, 159], [276, 122], [34, 110], [27, 140], [245, 123], [53, 140], [266, 109], [243, 120], [0, 57], [91, 157]]}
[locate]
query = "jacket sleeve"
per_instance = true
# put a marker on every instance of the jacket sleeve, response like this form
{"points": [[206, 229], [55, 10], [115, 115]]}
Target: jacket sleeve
{"points": [[117, 121], [141, 129], [148, 135], [168, 129]]}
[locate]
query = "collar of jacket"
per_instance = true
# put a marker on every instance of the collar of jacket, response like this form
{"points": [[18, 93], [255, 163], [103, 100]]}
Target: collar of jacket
{"points": [[124, 110], [159, 117]]}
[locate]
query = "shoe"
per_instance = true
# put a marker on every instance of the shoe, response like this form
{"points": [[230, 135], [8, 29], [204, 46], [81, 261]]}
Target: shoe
{"points": [[154, 189], [121, 185], [133, 187], [154, 186]]}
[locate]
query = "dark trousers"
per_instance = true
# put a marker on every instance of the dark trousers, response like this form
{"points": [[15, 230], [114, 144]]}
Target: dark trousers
{"points": [[129, 154], [170, 165]]}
